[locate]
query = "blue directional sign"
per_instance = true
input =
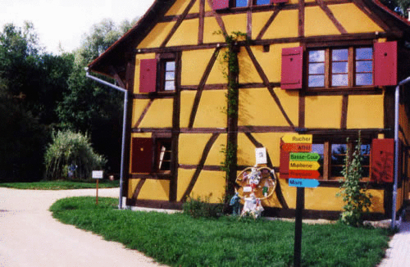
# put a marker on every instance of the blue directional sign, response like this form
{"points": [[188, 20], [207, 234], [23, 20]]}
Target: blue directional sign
{"points": [[311, 183]]}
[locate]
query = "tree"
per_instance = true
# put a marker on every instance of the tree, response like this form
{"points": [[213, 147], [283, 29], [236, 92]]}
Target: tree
{"points": [[89, 107], [71, 153]]}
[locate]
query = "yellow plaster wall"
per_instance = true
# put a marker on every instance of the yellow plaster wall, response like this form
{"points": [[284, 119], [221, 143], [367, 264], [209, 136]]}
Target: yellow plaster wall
{"points": [[235, 23], [211, 110], [184, 178], [138, 107], [353, 19], [247, 70], [177, 8], [195, 8], [217, 76], [215, 155], [246, 149], [159, 115], [209, 183], [285, 25], [191, 147], [210, 27], [271, 61], [317, 23], [323, 111], [365, 111], [186, 34], [187, 102], [151, 190], [321, 198], [137, 69], [157, 35], [194, 63], [257, 107]]}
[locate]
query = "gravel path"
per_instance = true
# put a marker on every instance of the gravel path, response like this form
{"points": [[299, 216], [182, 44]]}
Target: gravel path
{"points": [[30, 236]]}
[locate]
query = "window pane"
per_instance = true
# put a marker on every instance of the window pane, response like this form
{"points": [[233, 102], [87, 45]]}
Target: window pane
{"points": [[318, 148], [317, 68], [339, 67], [364, 66], [170, 76], [364, 79], [316, 80], [169, 86], [339, 54], [364, 53], [241, 3], [317, 56], [338, 159], [170, 66], [262, 2], [339, 80]]}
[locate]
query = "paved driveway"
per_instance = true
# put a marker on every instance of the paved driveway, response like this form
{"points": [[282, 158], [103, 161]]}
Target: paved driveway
{"points": [[30, 236]]}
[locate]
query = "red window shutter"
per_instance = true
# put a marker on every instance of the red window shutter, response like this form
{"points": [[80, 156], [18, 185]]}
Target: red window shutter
{"points": [[292, 68], [382, 162], [141, 160], [278, 1], [148, 75], [220, 4], [385, 64], [284, 163]]}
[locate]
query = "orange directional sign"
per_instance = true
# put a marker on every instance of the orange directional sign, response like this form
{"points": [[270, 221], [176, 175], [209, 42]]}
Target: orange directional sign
{"points": [[297, 138], [297, 147], [304, 165], [304, 174]]}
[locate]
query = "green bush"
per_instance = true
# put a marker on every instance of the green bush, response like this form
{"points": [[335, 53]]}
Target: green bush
{"points": [[198, 208], [72, 152], [357, 200]]}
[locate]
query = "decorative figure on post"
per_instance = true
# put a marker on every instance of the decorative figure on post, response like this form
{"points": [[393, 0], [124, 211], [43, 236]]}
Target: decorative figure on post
{"points": [[236, 205], [255, 185]]}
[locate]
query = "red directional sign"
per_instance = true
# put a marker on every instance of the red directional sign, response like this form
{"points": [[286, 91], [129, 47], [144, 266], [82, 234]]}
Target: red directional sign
{"points": [[304, 174], [291, 147]]}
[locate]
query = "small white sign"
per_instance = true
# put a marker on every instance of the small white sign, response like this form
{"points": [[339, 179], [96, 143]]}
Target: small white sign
{"points": [[247, 189], [98, 174], [260, 154]]}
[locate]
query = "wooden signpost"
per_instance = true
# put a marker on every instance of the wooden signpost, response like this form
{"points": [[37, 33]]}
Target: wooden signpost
{"points": [[97, 175], [302, 173]]}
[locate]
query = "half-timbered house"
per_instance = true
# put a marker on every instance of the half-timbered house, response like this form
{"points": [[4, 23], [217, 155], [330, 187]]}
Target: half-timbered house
{"points": [[323, 67]]}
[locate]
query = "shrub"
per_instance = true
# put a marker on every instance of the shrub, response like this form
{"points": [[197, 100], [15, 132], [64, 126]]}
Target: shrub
{"points": [[357, 200], [198, 208], [72, 152]]}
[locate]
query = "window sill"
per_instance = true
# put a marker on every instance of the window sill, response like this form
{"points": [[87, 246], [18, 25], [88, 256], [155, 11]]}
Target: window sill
{"points": [[166, 175], [344, 90]]}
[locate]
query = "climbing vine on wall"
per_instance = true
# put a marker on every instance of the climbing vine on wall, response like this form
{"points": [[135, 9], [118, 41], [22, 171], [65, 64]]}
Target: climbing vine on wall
{"points": [[231, 73]]}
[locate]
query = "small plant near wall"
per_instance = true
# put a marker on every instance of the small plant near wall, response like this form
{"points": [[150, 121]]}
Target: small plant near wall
{"points": [[357, 200]]}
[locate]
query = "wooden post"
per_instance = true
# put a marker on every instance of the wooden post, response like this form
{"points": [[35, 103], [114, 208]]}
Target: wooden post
{"points": [[300, 203], [96, 198]]}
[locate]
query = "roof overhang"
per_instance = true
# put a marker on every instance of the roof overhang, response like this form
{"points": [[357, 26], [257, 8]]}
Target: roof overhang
{"points": [[119, 54]]}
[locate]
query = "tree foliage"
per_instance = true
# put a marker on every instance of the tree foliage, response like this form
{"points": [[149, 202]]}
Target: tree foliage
{"points": [[72, 152], [89, 107], [41, 92], [31, 83]]}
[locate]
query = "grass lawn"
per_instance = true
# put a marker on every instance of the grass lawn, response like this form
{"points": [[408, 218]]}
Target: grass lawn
{"points": [[62, 185], [179, 240]]}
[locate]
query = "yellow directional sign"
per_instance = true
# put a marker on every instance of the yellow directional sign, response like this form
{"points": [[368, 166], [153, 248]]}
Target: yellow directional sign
{"points": [[297, 138], [304, 165]]}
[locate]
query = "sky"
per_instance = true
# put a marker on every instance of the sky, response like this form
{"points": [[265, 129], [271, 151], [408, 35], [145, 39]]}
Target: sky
{"points": [[66, 21]]}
